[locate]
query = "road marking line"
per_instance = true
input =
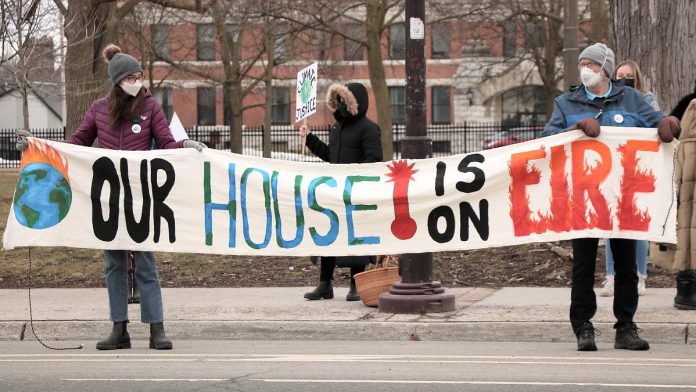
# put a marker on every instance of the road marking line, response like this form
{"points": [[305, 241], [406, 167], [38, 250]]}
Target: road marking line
{"points": [[146, 379], [667, 386], [454, 361], [361, 357], [339, 360]]}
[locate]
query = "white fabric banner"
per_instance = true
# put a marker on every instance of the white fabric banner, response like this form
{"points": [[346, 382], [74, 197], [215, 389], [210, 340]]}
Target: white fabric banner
{"points": [[555, 188]]}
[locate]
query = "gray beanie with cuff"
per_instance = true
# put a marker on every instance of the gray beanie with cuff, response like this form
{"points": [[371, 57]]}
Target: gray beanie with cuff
{"points": [[600, 54], [120, 64]]}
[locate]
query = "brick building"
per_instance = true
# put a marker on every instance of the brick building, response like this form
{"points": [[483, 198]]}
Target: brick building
{"points": [[474, 72]]}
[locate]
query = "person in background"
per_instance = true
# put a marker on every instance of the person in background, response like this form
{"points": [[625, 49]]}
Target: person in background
{"points": [[129, 118], [599, 102], [354, 138], [685, 177], [630, 74]]}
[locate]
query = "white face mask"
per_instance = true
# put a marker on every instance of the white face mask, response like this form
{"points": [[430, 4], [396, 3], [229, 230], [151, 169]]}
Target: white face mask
{"points": [[132, 89], [589, 77]]}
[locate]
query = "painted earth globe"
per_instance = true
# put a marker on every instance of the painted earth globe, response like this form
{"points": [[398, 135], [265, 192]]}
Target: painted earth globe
{"points": [[43, 196]]}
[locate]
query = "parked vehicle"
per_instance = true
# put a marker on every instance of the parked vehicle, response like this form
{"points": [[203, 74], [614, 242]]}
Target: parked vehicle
{"points": [[511, 136]]}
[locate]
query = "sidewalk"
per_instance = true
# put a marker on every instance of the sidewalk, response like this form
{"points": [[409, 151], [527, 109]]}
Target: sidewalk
{"points": [[509, 314]]}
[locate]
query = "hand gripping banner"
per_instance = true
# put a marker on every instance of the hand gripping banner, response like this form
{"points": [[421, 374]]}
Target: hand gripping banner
{"points": [[555, 188]]}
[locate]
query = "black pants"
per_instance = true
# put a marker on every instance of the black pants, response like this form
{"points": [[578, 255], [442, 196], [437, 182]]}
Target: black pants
{"points": [[583, 302], [328, 264]]}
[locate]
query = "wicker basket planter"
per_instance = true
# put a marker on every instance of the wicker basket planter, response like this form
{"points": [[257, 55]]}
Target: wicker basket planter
{"points": [[372, 283]]}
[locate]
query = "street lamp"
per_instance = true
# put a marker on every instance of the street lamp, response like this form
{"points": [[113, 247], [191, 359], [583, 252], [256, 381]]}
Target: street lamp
{"points": [[417, 292]]}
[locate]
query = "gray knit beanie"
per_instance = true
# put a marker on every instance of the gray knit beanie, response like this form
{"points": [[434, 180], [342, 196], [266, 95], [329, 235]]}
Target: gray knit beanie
{"points": [[599, 53], [120, 64]]}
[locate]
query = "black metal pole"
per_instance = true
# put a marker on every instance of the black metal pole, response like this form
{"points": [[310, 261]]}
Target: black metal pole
{"points": [[417, 292], [571, 74]]}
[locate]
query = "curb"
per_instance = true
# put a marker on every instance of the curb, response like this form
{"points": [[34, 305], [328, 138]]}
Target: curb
{"points": [[546, 331]]}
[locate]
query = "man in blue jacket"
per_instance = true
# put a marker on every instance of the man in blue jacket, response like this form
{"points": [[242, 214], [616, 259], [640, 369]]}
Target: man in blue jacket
{"points": [[603, 102]]}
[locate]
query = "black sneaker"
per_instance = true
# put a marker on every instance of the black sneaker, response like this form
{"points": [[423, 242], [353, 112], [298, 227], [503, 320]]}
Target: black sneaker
{"points": [[627, 338], [586, 337]]}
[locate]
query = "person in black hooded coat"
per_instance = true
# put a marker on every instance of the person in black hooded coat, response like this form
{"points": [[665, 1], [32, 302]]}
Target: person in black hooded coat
{"points": [[353, 139]]}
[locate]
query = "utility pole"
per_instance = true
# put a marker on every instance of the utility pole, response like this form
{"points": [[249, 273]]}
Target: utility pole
{"points": [[417, 292], [571, 74]]}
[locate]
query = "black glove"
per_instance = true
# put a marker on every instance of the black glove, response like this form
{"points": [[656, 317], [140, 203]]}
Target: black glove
{"points": [[668, 128], [588, 125]]}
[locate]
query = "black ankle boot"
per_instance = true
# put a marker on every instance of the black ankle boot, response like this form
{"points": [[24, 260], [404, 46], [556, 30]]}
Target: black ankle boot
{"points": [[586, 337], [686, 290], [353, 293], [627, 338], [119, 338], [324, 290], [158, 340]]}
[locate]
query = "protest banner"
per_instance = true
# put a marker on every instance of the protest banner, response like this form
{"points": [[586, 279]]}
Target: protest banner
{"points": [[555, 188]]}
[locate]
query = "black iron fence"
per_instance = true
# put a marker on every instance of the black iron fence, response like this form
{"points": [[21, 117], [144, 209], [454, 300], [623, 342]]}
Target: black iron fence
{"points": [[447, 139]]}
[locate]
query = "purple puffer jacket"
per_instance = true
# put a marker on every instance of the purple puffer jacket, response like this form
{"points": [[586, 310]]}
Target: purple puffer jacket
{"points": [[134, 135]]}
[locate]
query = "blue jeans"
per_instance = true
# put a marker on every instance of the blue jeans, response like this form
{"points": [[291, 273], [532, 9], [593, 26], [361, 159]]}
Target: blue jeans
{"points": [[147, 278], [641, 258]]}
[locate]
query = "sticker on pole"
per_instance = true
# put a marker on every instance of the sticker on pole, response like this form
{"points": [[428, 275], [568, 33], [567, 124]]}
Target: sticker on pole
{"points": [[306, 97], [417, 28]]}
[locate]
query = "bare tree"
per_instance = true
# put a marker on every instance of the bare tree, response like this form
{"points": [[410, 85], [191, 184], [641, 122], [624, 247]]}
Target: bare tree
{"points": [[659, 36], [601, 21], [89, 26], [27, 50], [533, 29], [247, 34], [375, 17]]}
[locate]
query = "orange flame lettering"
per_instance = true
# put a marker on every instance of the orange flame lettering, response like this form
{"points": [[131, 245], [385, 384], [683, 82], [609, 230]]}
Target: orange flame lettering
{"points": [[523, 222], [635, 181], [561, 218], [586, 179]]}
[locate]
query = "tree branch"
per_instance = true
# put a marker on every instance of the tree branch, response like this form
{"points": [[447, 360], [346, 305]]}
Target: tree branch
{"points": [[61, 7], [189, 5]]}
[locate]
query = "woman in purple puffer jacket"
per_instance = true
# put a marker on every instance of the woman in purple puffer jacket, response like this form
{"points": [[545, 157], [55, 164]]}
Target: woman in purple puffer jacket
{"points": [[129, 118]]}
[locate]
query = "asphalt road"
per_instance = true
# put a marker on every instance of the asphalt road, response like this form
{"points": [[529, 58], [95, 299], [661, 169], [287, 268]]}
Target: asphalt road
{"points": [[232, 365]]}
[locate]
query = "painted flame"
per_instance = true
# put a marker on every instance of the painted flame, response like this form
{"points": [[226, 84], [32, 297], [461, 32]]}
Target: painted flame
{"points": [[401, 170], [40, 151]]}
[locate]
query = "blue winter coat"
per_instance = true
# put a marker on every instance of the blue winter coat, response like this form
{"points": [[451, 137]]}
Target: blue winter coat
{"points": [[624, 107]]}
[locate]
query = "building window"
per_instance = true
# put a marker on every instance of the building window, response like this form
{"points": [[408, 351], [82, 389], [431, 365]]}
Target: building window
{"points": [[205, 42], [534, 35], [163, 95], [160, 41], [476, 47], [321, 45], [233, 30], [280, 107], [353, 50], [441, 103], [397, 41], [397, 101], [524, 105], [206, 106], [440, 47], [280, 52], [509, 39]]}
